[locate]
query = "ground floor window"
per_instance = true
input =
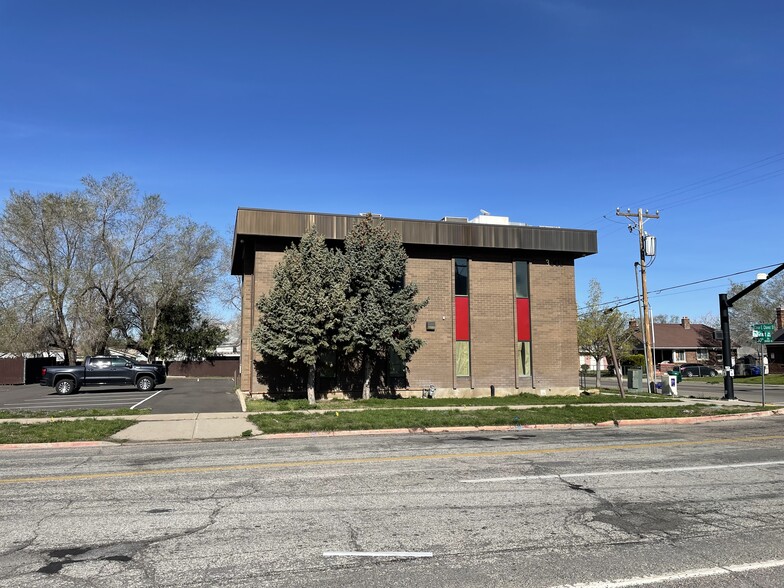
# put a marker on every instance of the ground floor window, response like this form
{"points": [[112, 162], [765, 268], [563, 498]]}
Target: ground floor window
{"points": [[462, 358], [523, 358], [678, 355], [703, 354]]}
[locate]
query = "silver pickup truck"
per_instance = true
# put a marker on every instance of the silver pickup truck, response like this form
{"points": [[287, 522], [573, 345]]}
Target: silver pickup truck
{"points": [[102, 371]]}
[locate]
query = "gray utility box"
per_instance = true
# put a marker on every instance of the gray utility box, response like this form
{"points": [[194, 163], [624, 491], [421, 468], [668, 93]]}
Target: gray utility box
{"points": [[634, 379]]}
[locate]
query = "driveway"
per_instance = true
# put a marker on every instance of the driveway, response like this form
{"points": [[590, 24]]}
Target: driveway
{"points": [[177, 395]]}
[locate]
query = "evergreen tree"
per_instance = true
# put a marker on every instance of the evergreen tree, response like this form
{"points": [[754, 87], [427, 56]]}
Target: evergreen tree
{"points": [[301, 314], [183, 331], [380, 310]]}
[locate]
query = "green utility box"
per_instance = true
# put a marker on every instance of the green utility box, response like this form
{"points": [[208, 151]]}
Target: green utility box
{"points": [[634, 379]]}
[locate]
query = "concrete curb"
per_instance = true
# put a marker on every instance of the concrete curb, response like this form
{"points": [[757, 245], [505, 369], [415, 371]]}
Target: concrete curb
{"points": [[58, 445], [513, 428]]}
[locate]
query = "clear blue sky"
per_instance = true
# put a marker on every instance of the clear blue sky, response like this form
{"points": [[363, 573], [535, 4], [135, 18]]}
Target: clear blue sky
{"points": [[551, 112]]}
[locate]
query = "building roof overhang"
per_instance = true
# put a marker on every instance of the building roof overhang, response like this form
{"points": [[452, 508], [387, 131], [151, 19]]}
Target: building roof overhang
{"points": [[571, 243]]}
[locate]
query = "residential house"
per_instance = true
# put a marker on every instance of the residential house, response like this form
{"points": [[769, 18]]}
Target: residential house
{"points": [[683, 342], [775, 349]]}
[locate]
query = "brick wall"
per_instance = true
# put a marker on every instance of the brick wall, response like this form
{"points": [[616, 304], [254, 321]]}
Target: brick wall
{"points": [[554, 326], [493, 338], [432, 364]]}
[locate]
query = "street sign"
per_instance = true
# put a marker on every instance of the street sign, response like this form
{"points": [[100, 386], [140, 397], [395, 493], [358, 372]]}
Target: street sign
{"points": [[762, 333]]}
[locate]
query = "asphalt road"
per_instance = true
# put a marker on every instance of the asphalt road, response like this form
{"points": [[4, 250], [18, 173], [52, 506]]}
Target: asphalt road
{"points": [[175, 396], [750, 392], [698, 506]]}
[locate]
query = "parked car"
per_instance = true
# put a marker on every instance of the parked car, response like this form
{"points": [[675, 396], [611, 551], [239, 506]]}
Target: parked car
{"points": [[695, 370], [102, 371]]}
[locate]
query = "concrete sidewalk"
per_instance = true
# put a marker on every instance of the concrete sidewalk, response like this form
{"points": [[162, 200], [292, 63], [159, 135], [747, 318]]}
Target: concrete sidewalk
{"points": [[185, 426]]}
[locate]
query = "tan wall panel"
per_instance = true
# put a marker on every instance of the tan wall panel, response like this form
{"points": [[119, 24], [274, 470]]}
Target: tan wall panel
{"points": [[553, 326], [492, 323], [432, 364]]}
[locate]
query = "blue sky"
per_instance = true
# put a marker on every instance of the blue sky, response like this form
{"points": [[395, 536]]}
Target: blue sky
{"points": [[551, 112]]}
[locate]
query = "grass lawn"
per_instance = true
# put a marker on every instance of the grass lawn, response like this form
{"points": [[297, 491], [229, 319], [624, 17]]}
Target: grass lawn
{"points": [[262, 405], [83, 430], [82, 412], [290, 422]]}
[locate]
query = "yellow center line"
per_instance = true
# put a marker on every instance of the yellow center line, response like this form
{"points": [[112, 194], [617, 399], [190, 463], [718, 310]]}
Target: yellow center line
{"points": [[399, 458]]}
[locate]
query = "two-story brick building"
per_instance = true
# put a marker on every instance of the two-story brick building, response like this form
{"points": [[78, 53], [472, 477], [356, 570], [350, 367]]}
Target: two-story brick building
{"points": [[501, 311]]}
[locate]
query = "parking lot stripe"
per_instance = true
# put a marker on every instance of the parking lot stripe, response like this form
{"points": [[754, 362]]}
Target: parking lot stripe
{"points": [[146, 399]]}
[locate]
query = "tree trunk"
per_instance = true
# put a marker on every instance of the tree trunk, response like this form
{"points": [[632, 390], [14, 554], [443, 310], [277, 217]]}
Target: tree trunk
{"points": [[598, 373], [366, 379], [312, 384]]}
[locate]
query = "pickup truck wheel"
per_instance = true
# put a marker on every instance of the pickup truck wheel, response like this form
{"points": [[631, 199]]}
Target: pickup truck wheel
{"points": [[65, 386], [145, 383]]}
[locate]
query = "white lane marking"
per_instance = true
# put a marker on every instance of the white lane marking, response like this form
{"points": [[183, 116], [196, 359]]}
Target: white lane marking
{"points": [[626, 472], [146, 399], [378, 554], [685, 575]]}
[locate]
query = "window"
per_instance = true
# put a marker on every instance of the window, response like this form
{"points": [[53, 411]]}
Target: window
{"points": [[462, 320], [678, 356], [462, 358], [461, 277], [119, 362], [523, 358], [396, 366], [523, 314], [521, 279], [703, 354]]}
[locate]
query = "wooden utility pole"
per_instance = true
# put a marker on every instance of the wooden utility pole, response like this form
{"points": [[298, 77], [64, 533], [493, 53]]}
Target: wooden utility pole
{"points": [[646, 311]]}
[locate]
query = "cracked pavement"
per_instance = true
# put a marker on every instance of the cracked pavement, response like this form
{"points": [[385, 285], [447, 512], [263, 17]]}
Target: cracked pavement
{"points": [[262, 513]]}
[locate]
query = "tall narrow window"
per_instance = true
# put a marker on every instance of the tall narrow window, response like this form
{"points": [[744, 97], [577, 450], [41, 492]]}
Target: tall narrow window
{"points": [[461, 277], [523, 308], [462, 320]]}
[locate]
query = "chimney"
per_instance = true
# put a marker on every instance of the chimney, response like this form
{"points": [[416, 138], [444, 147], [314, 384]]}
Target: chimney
{"points": [[780, 318], [685, 323], [634, 326]]}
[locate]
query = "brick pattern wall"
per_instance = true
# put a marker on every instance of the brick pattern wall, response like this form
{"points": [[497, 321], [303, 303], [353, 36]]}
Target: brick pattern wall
{"points": [[491, 292], [553, 324], [432, 364], [554, 354]]}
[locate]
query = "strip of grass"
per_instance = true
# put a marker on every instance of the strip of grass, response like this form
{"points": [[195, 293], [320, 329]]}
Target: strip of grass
{"points": [[59, 431], [82, 412], [769, 379], [391, 403], [412, 419]]}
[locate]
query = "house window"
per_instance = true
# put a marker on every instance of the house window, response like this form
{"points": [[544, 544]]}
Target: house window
{"points": [[678, 356], [703, 354]]}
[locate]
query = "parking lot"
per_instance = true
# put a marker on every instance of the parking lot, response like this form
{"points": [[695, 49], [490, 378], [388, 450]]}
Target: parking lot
{"points": [[175, 396]]}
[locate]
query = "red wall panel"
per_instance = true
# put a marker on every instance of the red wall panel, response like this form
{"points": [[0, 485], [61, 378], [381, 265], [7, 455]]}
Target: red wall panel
{"points": [[462, 328], [523, 320]]}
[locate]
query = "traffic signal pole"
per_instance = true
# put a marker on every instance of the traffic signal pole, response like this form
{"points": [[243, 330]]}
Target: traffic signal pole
{"points": [[724, 314]]}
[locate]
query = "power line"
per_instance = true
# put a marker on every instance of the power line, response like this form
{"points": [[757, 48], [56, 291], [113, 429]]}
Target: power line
{"points": [[658, 291]]}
